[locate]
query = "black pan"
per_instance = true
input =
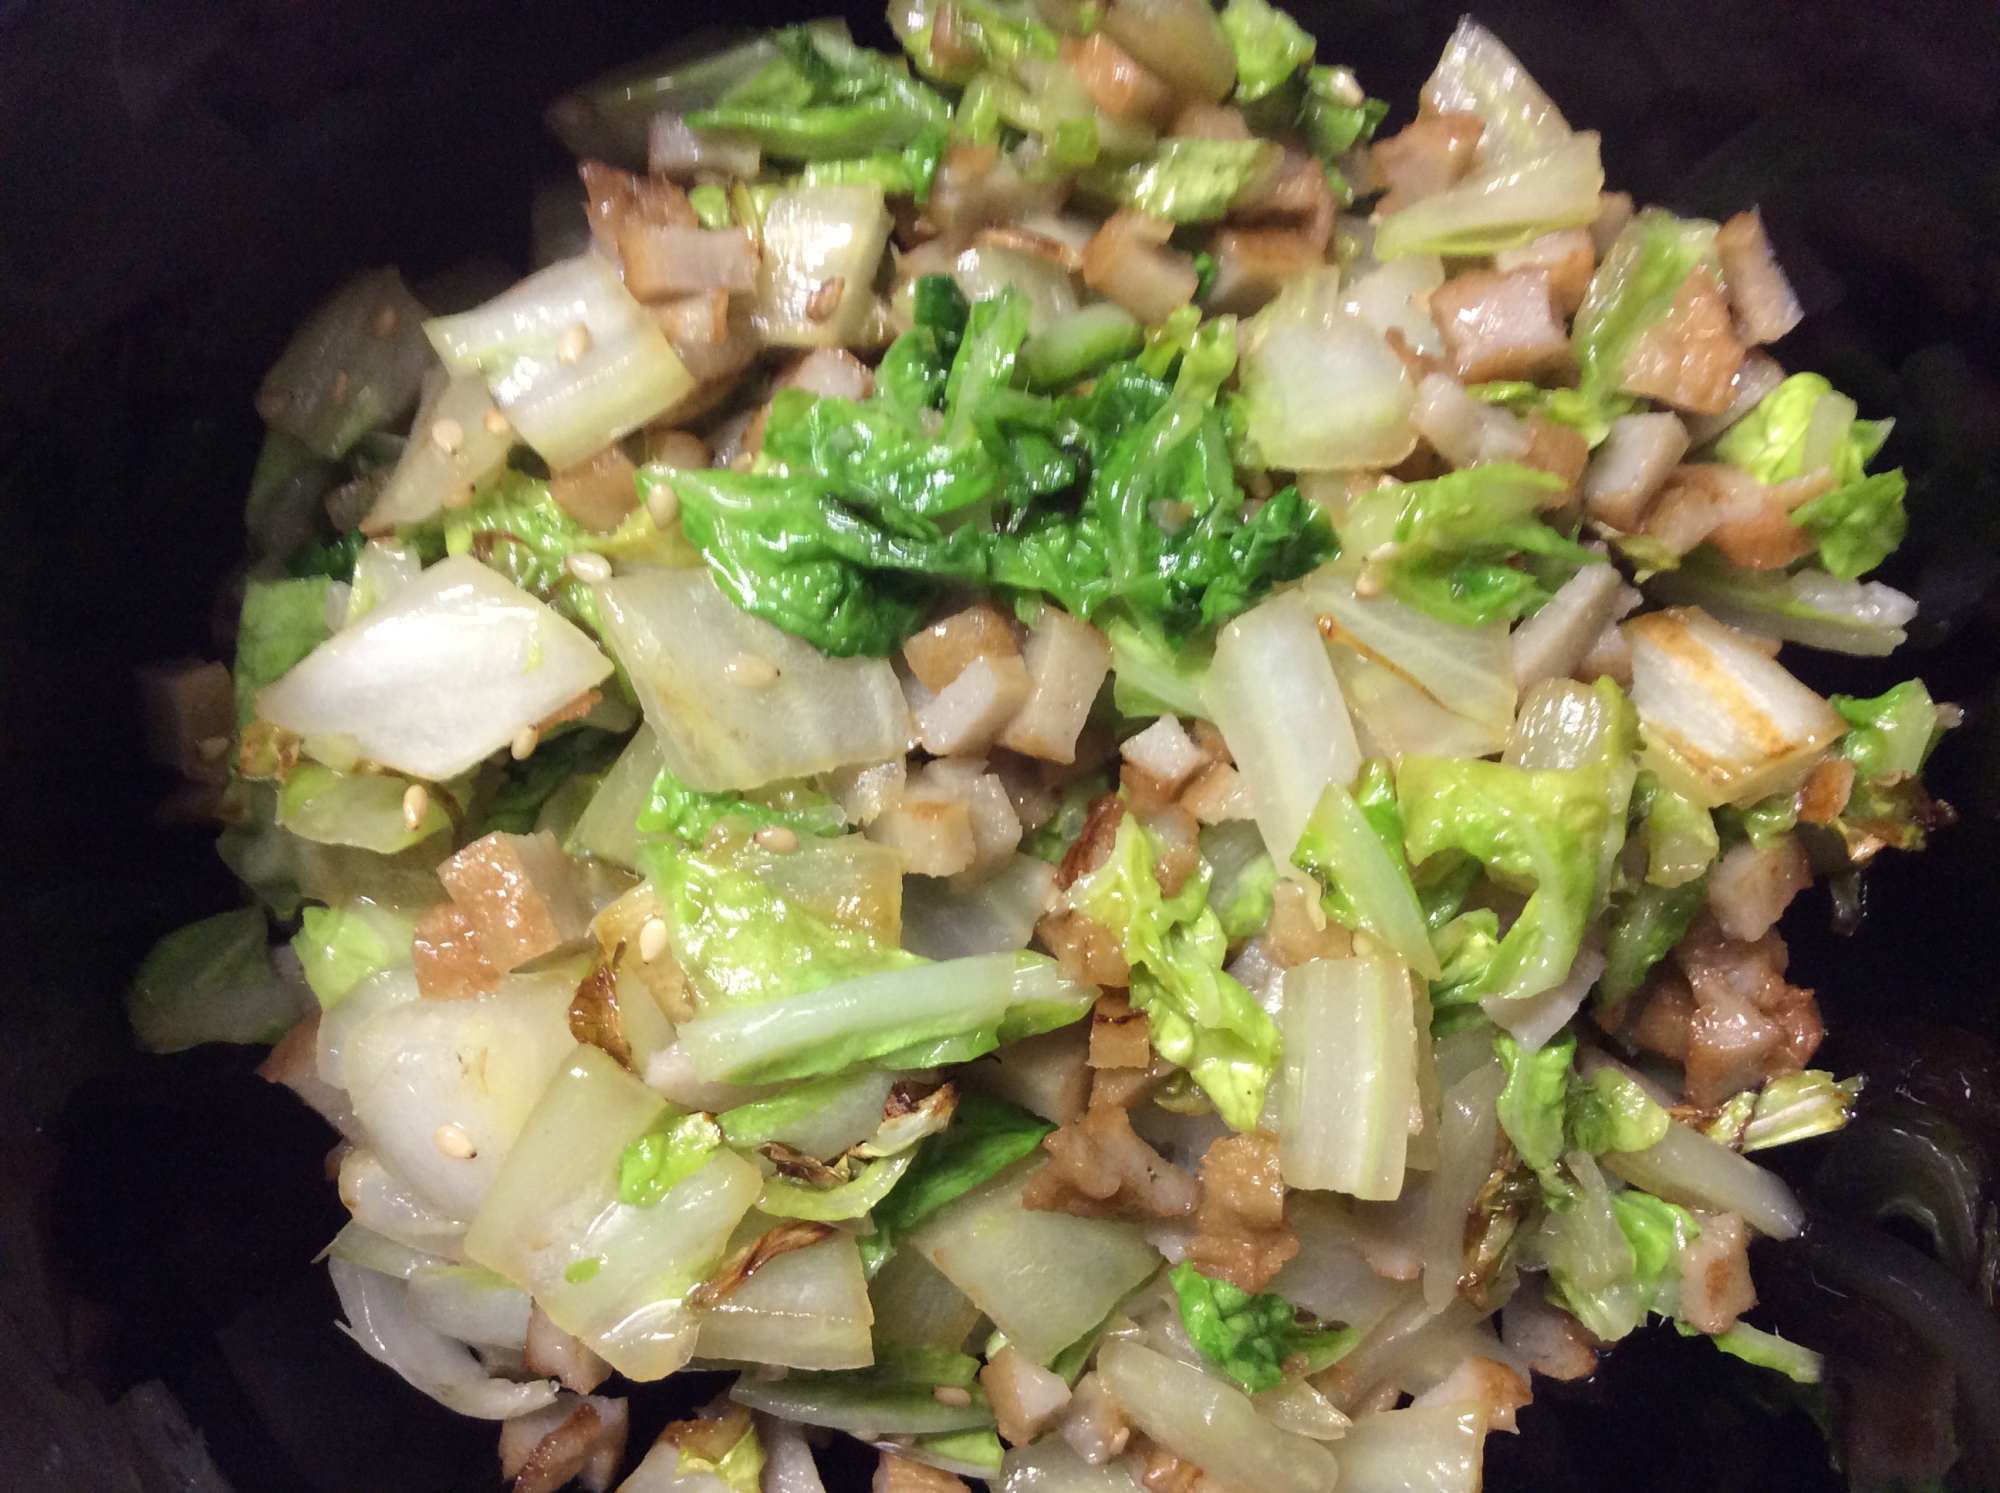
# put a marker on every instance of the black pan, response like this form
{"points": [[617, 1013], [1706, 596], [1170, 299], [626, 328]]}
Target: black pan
{"points": [[181, 180]]}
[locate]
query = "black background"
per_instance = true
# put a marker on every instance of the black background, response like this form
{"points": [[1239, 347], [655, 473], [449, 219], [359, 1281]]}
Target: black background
{"points": [[181, 181]]}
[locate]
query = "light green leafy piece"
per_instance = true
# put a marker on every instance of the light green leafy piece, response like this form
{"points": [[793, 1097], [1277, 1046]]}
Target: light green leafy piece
{"points": [[339, 947], [1202, 1019], [1250, 1337]]}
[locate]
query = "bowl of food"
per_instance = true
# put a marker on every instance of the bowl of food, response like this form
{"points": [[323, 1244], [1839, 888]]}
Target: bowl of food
{"points": [[1090, 747]]}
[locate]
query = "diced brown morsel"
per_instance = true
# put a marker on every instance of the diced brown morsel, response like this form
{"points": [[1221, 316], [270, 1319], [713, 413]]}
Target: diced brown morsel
{"points": [[614, 196], [598, 493], [1298, 931], [450, 963], [1765, 305], [1120, 1036], [1430, 154], [832, 373], [1122, 1088], [933, 833], [1217, 795], [1715, 1274], [896, 1473], [1160, 1471], [1750, 887], [1099, 1168], [1499, 326], [1763, 536], [1165, 753], [1482, 1381], [1252, 264], [190, 714], [1547, 1339], [520, 893], [1614, 214], [1631, 467], [1826, 792], [1024, 1396], [1128, 261], [1092, 847], [975, 187], [1689, 357], [1116, 81], [1748, 1023], [711, 1438], [1570, 258], [1067, 660], [938, 653], [1205, 121], [585, 1446], [1240, 1231], [557, 1355], [666, 260], [966, 717], [1048, 1075], [1560, 450], [1178, 854], [1298, 199], [1695, 498]]}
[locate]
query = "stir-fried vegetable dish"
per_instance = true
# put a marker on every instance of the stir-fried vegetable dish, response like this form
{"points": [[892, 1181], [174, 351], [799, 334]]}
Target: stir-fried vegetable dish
{"points": [[1082, 763]]}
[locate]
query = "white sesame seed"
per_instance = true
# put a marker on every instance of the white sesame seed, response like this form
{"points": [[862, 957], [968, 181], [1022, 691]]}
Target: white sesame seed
{"points": [[494, 421], [663, 504], [574, 343], [455, 1143], [448, 436], [416, 806], [1387, 550], [652, 939], [952, 1395], [588, 568], [1368, 585], [751, 671], [777, 839], [525, 741]]}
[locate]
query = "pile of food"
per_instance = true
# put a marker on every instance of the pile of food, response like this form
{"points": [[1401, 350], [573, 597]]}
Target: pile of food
{"points": [[1086, 769]]}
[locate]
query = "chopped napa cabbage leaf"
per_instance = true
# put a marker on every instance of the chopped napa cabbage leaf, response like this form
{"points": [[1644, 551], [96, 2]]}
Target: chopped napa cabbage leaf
{"points": [[1357, 853], [1795, 1107], [675, 809], [1805, 606], [1858, 526], [739, 1466], [986, 1136], [1250, 1337], [1610, 1112], [1646, 922], [997, 35], [974, 1454], [1151, 676], [907, 172], [1270, 46], [211, 981], [1190, 181], [282, 621], [362, 809], [1800, 427], [1533, 1104], [1888, 740], [1334, 117], [743, 943], [565, 764], [1892, 735], [517, 529], [1052, 840], [896, 1397], [1634, 287], [1502, 205], [1466, 946], [823, 98], [660, 1159], [1613, 1258], [1767, 1350], [842, 1201], [1547, 828], [1680, 836], [1202, 1019], [339, 947], [1445, 544], [1240, 892]]}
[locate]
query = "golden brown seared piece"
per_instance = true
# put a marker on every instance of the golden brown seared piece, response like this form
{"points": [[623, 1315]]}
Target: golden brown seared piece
{"points": [[1084, 949], [1117, 82], [450, 963], [1240, 1231], [1570, 258], [1715, 1274], [1749, 1024], [1099, 1168], [896, 1473], [1129, 261], [584, 1442], [1759, 293], [1431, 153], [1120, 1036], [938, 654], [1689, 357], [1499, 326], [616, 197], [520, 893]]}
